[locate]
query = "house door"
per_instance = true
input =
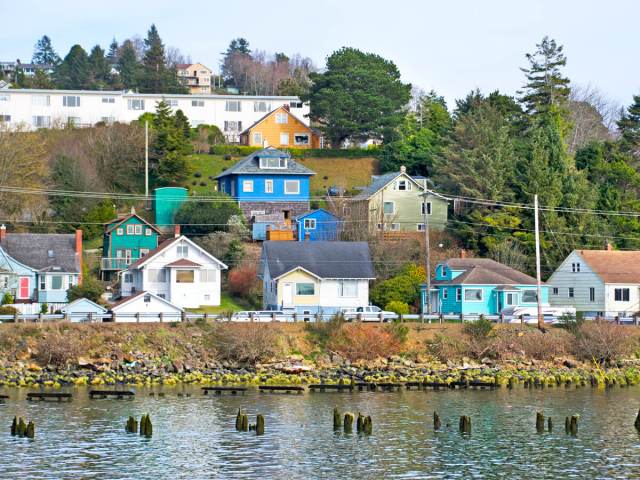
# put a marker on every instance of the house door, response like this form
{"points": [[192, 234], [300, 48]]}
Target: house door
{"points": [[24, 288], [287, 294], [511, 299]]}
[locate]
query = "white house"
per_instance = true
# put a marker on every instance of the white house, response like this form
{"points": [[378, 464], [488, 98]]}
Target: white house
{"points": [[598, 282], [315, 277], [50, 108], [145, 307], [83, 309], [178, 271]]}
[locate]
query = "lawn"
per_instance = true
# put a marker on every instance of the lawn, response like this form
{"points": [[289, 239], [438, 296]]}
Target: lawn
{"points": [[227, 304], [347, 173]]}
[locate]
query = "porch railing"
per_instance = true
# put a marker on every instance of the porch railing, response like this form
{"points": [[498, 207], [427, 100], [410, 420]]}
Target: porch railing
{"points": [[113, 263]]}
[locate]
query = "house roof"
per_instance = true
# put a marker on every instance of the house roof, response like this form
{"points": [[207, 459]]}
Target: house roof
{"points": [[310, 212], [166, 244], [613, 266], [132, 298], [267, 115], [323, 258], [79, 301], [484, 271], [43, 251], [251, 165], [381, 181], [184, 262], [119, 221]]}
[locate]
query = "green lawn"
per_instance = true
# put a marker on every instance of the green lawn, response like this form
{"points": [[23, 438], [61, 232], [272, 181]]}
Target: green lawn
{"points": [[227, 304], [204, 168]]}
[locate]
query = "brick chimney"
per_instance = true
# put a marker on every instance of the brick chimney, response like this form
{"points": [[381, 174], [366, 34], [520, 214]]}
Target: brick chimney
{"points": [[3, 232], [176, 231], [463, 253], [79, 254]]}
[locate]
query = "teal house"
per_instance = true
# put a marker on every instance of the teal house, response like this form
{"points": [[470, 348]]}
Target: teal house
{"points": [[126, 239], [481, 286]]}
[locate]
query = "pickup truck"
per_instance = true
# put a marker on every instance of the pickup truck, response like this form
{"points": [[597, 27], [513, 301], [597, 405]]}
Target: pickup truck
{"points": [[370, 313]]}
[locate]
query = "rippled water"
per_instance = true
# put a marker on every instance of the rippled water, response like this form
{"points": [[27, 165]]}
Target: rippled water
{"points": [[194, 437]]}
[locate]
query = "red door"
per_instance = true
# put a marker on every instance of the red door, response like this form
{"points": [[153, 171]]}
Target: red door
{"points": [[24, 287]]}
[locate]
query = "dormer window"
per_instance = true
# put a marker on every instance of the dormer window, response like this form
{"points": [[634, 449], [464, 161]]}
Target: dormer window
{"points": [[50, 253], [403, 185], [443, 271], [273, 162]]}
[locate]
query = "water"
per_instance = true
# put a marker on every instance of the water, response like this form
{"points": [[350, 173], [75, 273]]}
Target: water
{"points": [[194, 437]]}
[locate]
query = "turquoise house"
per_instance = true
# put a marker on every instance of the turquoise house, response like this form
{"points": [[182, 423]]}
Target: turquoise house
{"points": [[481, 286], [318, 225], [126, 239]]}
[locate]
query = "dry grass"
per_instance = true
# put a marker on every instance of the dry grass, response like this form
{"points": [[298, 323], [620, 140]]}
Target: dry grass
{"points": [[247, 343], [602, 341], [343, 172]]}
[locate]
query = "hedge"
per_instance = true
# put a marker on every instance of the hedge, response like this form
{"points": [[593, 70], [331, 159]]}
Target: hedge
{"points": [[244, 150]]}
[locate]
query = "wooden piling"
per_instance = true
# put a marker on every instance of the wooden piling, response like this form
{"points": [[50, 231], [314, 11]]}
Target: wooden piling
{"points": [[637, 422], [245, 423], [573, 425], [348, 422], [549, 425], [539, 422], [14, 426], [260, 425], [436, 421], [337, 419], [465, 424], [239, 420], [31, 430], [567, 425], [360, 423], [22, 427]]}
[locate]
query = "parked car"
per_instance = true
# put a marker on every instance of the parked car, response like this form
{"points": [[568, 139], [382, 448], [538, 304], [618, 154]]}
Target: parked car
{"points": [[370, 313], [335, 191], [260, 316], [550, 314]]}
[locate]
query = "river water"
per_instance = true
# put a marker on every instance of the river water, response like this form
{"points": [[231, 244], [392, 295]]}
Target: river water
{"points": [[194, 437]]}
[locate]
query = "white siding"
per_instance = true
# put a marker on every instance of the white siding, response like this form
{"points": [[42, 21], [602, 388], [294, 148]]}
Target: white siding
{"points": [[613, 307], [564, 278], [148, 310], [330, 295]]}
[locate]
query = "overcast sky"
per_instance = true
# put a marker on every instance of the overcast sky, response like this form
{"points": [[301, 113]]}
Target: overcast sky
{"points": [[451, 46]]}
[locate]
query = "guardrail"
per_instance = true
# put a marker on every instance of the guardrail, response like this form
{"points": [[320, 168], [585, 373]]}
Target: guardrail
{"points": [[143, 317]]}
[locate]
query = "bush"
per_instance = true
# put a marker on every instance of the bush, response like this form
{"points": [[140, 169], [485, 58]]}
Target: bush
{"points": [[299, 152], [199, 217], [243, 282], [601, 341], [246, 343], [404, 287], [401, 308], [57, 349], [44, 308], [366, 342], [7, 310], [197, 174], [7, 299], [446, 347], [479, 329], [224, 246], [90, 289]]}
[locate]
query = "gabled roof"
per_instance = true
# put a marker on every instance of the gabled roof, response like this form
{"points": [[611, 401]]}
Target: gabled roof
{"points": [[251, 164], [46, 252], [310, 212], [323, 259], [119, 221], [184, 262], [484, 271], [79, 301], [166, 244], [613, 266], [381, 181], [267, 115], [132, 298]]}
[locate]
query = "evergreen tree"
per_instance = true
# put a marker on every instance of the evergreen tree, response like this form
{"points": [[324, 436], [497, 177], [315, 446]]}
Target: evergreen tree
{"points": [[182, 123], [629, 126], [168, 164], [546, 86], [99, 67], [238, 48], [44, 54], [113, 54], [128, 66], [153, 63], [74, 72]]}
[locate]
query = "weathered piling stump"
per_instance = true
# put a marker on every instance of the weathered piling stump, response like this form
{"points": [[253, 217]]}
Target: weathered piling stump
{"points": [[22, 427], [567, 425], [14, 426], [539, 422], [239, 420], [146, 428], [360, 423], [245, 423], [31, 430], [465, 424], [549, 425], [436, 421], [131, 426], [368, 425], [573, 425], [637, 422], [348, 422], [260, 425], [511, 383], [337, 419]]}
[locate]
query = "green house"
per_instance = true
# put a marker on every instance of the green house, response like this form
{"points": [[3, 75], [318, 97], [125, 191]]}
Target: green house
{"points": [[126, 239]]}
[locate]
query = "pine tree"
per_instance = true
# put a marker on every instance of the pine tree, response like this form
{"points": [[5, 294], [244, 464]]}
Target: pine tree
{"points": [[155, 71], [182, 123], [74, 72], [113, 55], [168, 163], [99, 67], [546, 86], [128, 66], [629, 126], [44, 54]]}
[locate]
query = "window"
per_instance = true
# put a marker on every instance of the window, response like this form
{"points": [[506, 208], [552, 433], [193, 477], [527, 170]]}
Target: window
{"points": [[232, 106], [207, 297], [230, 126], [185, 276], [555, 291], [282, 118], [41, 100], [443, 271], [403, 184], [301, 139], [131, 229], [143, 251], [255, 213], [162, 295], [380, 226], [575, 267], [128, 278], [427, 206], [257, 138], [458, 294], [388, 208], [348, 288], [157, 275], [305, 289], [135, 104], [183, 251], [261, 106], [395, 227], [621, 294], [70, 101], [138, 229], [472, 294], [529, 296], [208, 276], [5, 118], [40, 121], [592, 294], [108, 100], [56, 282], [310, 223], [292, 187], [420, 227], [268, 186], [247, 185], [43, 282], [119, 231], [172, 102], [197, 103], [148, 232], [273, 162], [284, 139], [71, 121], [295, 104], [4, 98], [108, 120], [147, 298], [570, 293], [445, 293]]}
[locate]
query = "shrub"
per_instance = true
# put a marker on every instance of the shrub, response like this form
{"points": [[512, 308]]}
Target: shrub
{"points": [[401, 308], [299, 152], [44, 308], [7, 310], [322, 332], [7, 299], [479, 329], [601, 341], [224, 246], [205, 217], [365, 342], [543, 346], [247, 343], [446, 347], [243, 281], [90, 289], [404, 287], [203, 184], [56, 348]]}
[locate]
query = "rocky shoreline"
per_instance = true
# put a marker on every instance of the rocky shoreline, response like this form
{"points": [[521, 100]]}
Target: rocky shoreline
{"points": [[141, 370]]}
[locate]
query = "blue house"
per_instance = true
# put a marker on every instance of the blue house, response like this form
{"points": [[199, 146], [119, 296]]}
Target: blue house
{"points": [[267, 182], [39, 267], [481, 286], [318, 225]]}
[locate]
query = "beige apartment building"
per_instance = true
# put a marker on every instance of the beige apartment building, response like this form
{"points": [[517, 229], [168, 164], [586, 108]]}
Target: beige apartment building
{"points": [[196, 77]]}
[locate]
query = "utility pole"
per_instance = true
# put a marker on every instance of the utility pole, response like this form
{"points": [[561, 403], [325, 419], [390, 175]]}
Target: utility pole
{"points": [[538, 280], [427, 252], [146, 161]]}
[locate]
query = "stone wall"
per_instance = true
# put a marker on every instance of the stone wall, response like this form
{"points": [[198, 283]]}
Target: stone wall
{"points": [[295, 208]]}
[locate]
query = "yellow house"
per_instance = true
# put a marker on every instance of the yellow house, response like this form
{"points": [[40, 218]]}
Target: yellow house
{"points": [[195, 76], [281, 129]]}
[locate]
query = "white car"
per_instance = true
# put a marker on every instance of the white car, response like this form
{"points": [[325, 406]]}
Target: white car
{"points": [[260, 316], [549, 314], [370, 313]]}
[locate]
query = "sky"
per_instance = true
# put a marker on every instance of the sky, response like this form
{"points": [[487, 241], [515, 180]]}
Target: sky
{"points": [[450, 46]]}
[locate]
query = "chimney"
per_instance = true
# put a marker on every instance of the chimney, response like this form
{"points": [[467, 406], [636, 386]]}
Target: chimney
{"points": [[403, 169], [608, 246], [133, 210], [286, 107], [176, 231], [463, 253], [3, 232], [79, 254]]}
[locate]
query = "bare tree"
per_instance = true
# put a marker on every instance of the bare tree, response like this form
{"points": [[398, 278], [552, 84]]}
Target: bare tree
{"points": [[593, 116]]}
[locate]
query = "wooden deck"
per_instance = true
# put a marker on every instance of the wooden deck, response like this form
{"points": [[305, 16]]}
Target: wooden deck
{"points": [[221, 390], [119, 394], [49, 396], [281, 388]]}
